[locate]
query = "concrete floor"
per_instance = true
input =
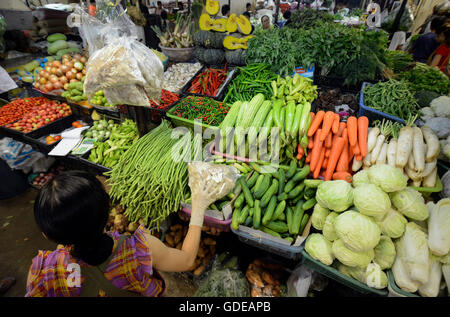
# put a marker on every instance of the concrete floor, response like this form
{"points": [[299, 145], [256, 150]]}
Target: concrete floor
{"points": [[20, 240]]}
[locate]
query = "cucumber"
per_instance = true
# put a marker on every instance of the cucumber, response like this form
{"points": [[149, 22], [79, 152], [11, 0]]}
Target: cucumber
{"points": [[252, 180], [309, 204], [292, 169], [258, 182], [244, 214], [313, 183], [289, 186], [296, 191], [282, 179], [304, 222], [297, 218], [248, 221], [301, 174], [237, 187], [251, 211], [269, 193], [256, 167], [271, 232], [248, 196], [290, 239], [289, 216], [283, 196], [239, 201], [235, 219], [282, 217], [309, 193], [279, 210], [270, 210], [259, 191], [278, 226], [257, 215], [297, 199]]}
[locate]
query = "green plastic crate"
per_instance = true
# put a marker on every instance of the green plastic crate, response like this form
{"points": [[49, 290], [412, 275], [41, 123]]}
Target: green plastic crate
{"points": [[334, 274], [183, 122], [395, 290]]}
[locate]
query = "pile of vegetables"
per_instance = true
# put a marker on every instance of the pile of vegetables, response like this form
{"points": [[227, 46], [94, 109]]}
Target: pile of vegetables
{"points": [[309, 18], [99, 99], [208, 82], [121, 138], [167, 99], [40, 116], [42, 178], [59, 74], [276, 203], [117, 221], [437, 117], [424, 77], [177, 75], [74, 91], [57, 45], [265, 279], [147, 180], [336, 146], [334, 100], [251, 80], [101, 130], [413, 150], [392, 97], [180, 36], [206, 229], [297, 88], [208, 110], [398, 61], [17, 108], [174, 238]]}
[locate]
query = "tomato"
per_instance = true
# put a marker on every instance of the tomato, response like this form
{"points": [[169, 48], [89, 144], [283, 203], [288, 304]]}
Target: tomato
{"points": [[49, 140], [75, 124], [57, 138]]}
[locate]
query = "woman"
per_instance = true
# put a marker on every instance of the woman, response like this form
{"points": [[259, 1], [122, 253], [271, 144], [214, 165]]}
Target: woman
{"points": [[265, 21], [440, 57], [72, 210]]}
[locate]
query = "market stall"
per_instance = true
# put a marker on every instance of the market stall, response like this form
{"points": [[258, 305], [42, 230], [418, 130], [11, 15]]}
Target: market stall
{"points": [[341, 148]]}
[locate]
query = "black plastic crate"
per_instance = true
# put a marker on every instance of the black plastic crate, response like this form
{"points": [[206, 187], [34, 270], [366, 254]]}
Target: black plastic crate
{"points": [[93, 167]]}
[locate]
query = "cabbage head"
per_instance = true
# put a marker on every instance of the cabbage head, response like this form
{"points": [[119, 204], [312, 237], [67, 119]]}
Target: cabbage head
{"points": [[335, 195], [385, 253], [360, 178], [349, 257], [328, 228], [318, 216], [319, 248], [371, 200], [410, 203], [354, 272], [389, 178], [393, 224], [357, 231], [375, 277]]}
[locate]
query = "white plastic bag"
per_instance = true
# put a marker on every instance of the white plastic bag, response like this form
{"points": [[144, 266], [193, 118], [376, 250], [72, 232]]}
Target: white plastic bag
{"points": [[17, 155]]}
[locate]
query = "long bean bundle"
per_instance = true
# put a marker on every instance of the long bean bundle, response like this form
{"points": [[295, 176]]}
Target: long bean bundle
{"points": [[147, 180]]}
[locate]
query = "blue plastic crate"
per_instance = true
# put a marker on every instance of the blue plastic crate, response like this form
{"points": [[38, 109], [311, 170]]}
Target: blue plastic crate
{"points": [[371, 113]]}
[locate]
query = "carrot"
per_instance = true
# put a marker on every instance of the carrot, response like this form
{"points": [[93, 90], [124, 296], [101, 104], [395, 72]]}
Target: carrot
{"points": [[342, 126], [335, 126], [342, 165], [328, 140], [336, 151], [328, 120], [352, 130], [315, 124], [358, 157], [345, 176], [355, 148], [325, 162], [322, 173], [312, 116], [310, 142], [350, 151], [308, 157], [319, 164], [363, 130], [301, 152], [315, 152], [327, 152]]}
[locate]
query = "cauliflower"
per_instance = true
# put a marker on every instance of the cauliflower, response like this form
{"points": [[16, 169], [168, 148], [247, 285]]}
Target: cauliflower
{"points": [[440, 126], [441, 107], [427, 113]]}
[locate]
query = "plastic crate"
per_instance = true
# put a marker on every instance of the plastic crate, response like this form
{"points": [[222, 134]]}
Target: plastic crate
{"points": [[334, 274], [95, 168], [222, 89], [394, 290], [223, 225], [268, 243], [371, 113], [182, 122], [186, 86]]}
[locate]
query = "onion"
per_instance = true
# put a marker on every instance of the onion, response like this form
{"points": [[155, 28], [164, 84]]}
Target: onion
{"points": [[77, 57], [66, 56], [42, 73], [66, 86], [74, 80], [70, 75], [70, 64], [83, 71], [63, 80], [64, 68], [37, 85], [46, 75], [57, 85], [79, 76], [54, 80], [53, 70], [74, 70], [59, 72], [56, 64], [83, 60], [42, 80], [48, 86], [48, 69]]}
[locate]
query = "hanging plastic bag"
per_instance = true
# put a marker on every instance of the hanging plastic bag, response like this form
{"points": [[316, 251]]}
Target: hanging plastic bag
{"points": [[17, 155], [303, 279]]}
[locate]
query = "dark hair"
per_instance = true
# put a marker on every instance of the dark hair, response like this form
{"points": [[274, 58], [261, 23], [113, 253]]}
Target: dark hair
{"points": [[247, 14], [73, 209], [159, 3], [287, 14], [164, 15], [225, 9], [447, 36], [437, 23], [248, 5], [264, 17]]}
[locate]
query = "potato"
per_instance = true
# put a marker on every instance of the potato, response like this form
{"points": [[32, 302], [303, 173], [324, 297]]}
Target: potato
{"points": [[254, 279]]}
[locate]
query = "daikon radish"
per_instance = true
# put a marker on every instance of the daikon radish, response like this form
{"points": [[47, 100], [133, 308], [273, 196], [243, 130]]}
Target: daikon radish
{"points": [[418, 151], [415, 176], [430, 180], [356, 164], [432, 143], [411, 164], [404, 146], [391, 152], [429, 167], [366, 161], [372, 138], [382, 157], [417, 183], [377, 149]]}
